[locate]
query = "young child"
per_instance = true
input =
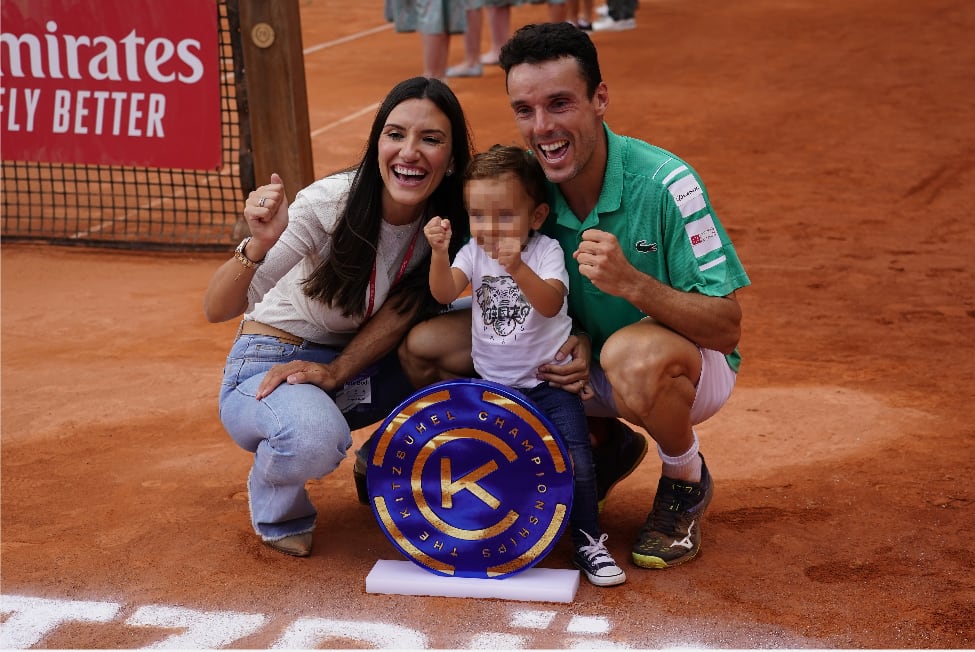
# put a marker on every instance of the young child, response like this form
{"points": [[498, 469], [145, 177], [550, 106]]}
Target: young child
{"points": [[519, 320]]}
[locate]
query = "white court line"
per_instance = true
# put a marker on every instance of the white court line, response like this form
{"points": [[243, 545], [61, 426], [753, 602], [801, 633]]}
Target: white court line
{"points": [[328, 44], [341, 121], [29, 621], [346, 39]]}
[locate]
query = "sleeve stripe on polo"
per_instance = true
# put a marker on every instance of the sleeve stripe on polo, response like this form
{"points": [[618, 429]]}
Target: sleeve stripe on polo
{"points": [[714, 263], [674, 173]]}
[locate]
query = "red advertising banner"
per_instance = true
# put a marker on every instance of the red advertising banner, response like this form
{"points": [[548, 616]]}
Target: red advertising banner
{"points": [[112, 82]]}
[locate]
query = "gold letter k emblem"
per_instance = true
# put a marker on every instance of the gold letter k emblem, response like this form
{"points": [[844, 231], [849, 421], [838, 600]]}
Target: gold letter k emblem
{"points": [[449, 487]]}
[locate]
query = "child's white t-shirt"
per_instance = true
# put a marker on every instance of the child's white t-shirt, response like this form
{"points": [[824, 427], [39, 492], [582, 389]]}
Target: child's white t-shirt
{"points": [[510, 338]]}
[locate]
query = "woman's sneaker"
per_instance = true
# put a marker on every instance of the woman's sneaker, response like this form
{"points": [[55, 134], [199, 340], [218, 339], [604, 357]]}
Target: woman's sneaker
{"points": [[359, 467], [359, 474], [595, 561], [672, 532]]}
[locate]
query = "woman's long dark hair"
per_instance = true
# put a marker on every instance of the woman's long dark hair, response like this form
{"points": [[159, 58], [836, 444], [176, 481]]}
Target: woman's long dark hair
{"points": [[342, 279]]}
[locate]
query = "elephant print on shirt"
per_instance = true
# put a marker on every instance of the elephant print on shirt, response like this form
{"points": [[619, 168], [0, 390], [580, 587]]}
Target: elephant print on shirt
{"points": [[503, 307]]}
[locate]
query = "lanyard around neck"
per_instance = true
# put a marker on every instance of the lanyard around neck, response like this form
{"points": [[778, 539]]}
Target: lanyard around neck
{"points": [[399, 274]]}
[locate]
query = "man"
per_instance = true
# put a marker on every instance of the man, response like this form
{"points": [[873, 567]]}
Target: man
{"points": [[652, 281]]}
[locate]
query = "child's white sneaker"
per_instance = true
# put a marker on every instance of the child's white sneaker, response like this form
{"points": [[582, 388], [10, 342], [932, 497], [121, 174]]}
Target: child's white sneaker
{"points": [[595, 561]]}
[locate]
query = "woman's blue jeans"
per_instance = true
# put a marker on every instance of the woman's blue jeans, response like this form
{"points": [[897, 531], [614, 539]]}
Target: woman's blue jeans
{"points": [[297, 433], [564, 409]]}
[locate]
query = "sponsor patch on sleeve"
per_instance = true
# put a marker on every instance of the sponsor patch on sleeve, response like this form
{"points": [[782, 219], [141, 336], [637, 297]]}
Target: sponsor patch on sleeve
{"points": [[688, 195], [703, 236]]}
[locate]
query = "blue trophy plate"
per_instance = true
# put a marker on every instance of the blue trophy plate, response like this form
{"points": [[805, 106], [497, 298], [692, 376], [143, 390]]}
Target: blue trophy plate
{"points": [[467, 478]]}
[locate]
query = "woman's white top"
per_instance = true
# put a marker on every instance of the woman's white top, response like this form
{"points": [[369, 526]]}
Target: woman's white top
{"points": [[276, 297]]}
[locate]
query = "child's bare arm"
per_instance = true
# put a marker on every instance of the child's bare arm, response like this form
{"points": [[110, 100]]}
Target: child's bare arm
{"points": [[446, 283], [545, 295]]}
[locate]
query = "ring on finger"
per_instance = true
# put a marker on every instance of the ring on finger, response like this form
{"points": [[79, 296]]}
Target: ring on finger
{"points": [[261, 203]]}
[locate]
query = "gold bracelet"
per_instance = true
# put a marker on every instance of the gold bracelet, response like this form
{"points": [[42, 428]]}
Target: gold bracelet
{"points": [[242, 257]]}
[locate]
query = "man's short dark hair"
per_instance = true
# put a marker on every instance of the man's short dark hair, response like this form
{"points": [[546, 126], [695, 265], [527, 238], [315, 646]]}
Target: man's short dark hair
{"points": [[538, 43]]}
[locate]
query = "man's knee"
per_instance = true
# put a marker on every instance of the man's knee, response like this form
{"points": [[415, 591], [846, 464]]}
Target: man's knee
{"points": [[437, 349], [419, 342], [624, 358], [415, 365], [648, 350], [645, 364]]}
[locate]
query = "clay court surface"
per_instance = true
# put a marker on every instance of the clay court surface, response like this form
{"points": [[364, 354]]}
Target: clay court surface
{"points": [[837, 141]]}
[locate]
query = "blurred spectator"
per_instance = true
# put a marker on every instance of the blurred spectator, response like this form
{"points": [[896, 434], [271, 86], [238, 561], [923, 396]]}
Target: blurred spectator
{"points": [[499, 27], [620, 15], [471, 67], [582, 10], [435, 20]]}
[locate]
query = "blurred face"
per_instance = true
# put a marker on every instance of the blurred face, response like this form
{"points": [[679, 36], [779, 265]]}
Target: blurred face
{"points": [[558, 121], [414, 155], [501, 210]]}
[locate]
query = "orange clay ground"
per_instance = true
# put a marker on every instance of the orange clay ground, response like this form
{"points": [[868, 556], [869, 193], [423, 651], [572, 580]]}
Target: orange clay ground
{"points": [[837, 142]]}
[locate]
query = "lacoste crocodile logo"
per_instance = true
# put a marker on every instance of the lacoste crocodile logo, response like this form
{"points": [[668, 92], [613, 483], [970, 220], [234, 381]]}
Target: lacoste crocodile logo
{"points": [[686, 541], [645, 247]]}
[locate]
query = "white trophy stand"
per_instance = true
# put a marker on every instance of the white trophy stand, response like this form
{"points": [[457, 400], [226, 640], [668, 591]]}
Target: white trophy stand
{"points": [[532, 585]]}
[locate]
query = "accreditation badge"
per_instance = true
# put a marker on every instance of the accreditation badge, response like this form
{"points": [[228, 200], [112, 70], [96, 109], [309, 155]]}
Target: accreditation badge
{"points": [[467, 478]]}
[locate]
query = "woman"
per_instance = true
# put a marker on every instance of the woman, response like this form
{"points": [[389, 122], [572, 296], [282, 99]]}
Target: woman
{"points": [[329, 286], [436, 21]]}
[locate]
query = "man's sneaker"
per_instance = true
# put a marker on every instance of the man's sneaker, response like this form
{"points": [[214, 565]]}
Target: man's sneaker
{"points": [[359, 473], [596, 562], [617, 457], [672, 532], [610, 24]]}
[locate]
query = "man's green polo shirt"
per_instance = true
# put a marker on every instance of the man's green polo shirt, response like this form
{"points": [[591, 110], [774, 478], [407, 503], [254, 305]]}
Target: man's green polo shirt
{"points": [[658, 209]]}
